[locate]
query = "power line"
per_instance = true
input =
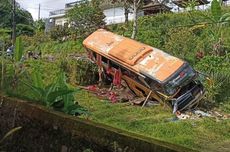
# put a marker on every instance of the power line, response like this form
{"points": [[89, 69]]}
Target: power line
{"points": [[29, 1], [42, 7]]}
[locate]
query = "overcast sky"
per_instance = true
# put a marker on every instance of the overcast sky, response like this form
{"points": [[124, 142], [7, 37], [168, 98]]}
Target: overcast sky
{"points": [[46, 6]]}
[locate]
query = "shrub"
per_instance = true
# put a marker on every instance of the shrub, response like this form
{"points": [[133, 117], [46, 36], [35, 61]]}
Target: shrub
{"points": [[51, 47], [181, 42], [83, 71], [217, 68], [23, 29], [33, 43], [59, 33]]}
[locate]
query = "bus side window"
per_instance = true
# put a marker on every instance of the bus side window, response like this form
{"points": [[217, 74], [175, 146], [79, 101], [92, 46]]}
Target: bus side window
{"points": [[105, 60], [114, 65], [94, 55]]}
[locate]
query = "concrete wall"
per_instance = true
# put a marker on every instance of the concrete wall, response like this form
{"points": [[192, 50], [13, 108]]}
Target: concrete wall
{"points": [[105, 138]]}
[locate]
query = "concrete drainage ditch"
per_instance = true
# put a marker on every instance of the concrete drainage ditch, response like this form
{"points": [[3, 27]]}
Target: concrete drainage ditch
{"points": [[47, 130]]}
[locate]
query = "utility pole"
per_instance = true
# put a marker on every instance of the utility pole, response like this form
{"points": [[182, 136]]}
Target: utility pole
{"points": [[39, 11], [13, 23]]}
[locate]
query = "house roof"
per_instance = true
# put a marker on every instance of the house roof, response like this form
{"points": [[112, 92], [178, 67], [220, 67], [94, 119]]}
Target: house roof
{"points": [[137, 57], [182, 3], [57, 13], [153, 7], [154, 4]]}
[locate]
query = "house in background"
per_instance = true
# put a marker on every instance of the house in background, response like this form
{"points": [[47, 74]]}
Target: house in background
{"points": [[58, 17], [114, 13]]}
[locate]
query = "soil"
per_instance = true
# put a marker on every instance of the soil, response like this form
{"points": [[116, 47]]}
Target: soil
{"points": [[37, 136]]}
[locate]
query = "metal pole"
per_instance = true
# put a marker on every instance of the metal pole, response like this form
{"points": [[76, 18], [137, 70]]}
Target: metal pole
{"points": [[39, 11], [13, 23], [2, 57]]}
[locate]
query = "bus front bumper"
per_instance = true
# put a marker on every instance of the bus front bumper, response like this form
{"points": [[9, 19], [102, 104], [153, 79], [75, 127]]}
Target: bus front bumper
{"points": [[189, 99]]}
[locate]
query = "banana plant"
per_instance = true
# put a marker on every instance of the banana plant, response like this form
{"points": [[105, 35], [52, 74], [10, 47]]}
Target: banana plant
{"points": [[17, 61], [216, 10], [46, 94], [68, 101], [225, 19], [18, 50], [57, 95], [217, 16], [219, 20]]}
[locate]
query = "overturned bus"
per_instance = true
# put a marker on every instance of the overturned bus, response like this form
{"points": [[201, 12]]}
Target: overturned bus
{"points": [[147, 71]]}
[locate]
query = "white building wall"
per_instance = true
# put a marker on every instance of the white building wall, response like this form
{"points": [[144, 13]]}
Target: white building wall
{"points": [[61, 21], [117, 15]]}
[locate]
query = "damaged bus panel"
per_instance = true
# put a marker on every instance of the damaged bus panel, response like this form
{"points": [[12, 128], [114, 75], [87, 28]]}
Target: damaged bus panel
{"points": [[147, 71]]}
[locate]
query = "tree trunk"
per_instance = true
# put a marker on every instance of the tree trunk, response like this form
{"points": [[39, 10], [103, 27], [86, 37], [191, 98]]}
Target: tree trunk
{"points": [[134, 19], [126, 7]]}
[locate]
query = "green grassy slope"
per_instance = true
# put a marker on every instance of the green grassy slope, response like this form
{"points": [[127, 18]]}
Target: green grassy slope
{"points": [[157, 122]]}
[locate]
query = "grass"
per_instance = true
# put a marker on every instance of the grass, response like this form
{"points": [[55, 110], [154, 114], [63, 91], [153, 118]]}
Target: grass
{"points": [[157, 122]]}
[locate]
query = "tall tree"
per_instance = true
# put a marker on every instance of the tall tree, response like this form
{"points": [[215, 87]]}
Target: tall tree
{"points": [[86, 17], [40, 25], [22, 16], [23, 19], [5, 13], [136, 7]]}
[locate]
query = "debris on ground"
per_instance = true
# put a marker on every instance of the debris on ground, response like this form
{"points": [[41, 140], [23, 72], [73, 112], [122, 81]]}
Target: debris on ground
{"points": [[198, 114], [117, 94], [137, 101], [202, 113], [124, 94], [182, 116], [151, 103]]}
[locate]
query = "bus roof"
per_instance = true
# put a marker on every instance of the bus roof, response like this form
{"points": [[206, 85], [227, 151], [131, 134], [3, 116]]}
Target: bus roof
{"points": [[136, 56]]}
